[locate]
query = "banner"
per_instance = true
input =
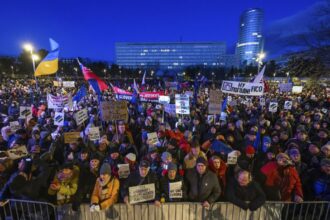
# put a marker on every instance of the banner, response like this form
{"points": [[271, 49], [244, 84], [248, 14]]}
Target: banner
{"points": [[17, 152], [175, 190], [59, 119], [242, 88], [288, 105], [71, 137], [81, 116], [182, 104], [171, 85], [14, 126], [123, 171], [25, 112], [170, 109], [68, 84], [215, 101], [142, 193], [297, 89], [144, 96], [273, 106], [285, 87], [164, 99], [55, 102], [94, 133], [118, 110], [152, 138]]}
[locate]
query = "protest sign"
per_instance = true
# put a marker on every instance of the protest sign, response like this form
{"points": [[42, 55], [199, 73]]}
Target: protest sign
{"points": [[242, 88], [55, 102], [141, 193], [189, 93], [182, 104], [17, 152], [56, 83], [118, 110], [59, 119], [285, 87], [25, 112], [210, 119], [68, 84], [232, 158], [215, 102], [94, 133], [171, 85], [297, 89], [14, 126], [123, 171], [152, 138], [273, 106], [262, 101], [164, 99], [170, 109], [229, 98], [71, 137], [175, 190], [81, 116], [288, 105]]}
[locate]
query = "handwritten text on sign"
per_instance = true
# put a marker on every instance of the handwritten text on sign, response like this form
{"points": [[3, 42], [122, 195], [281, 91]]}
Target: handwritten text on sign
{"points": [[142, 193]]}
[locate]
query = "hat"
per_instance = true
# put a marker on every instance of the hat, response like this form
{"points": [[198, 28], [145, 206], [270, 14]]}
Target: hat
{"points": [[250, 150], [144, 163], [325, 162], [105, 169], [67, 165], [131, 157], [166, 155], [294, 151], [113, 149], [282, 155], [95, 157], [201, 160], [172, 166]]}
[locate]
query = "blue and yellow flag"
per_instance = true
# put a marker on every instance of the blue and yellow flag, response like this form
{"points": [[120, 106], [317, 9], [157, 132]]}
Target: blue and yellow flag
{"points": [[49, 65]]}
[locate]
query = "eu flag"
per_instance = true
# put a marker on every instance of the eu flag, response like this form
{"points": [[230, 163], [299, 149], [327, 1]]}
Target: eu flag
{"points": [[82, 92]]}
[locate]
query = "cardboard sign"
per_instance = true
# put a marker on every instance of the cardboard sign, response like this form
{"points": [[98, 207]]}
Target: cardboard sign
{"points": [[164, 99], [285, 87], [68, 84], [17, 152], [242, 88], [81, 116], [123, 171], [324, 110], [56, 83], [153, 138], [232, 158], [182, 104], [118, 110], [94, 133], [229, 98], [262, 101], [288, 105], [59, 119], [223, 116], [25, 112], [273, 106], [215, 102], [170, 109], [210, 119], [142, 193], [14, 125], [175, 190], [297, 89], [55, 102], [71, 137]]}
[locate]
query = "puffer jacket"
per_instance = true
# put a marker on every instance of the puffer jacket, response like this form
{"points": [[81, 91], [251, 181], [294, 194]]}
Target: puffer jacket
{"points": [[106, 195]]}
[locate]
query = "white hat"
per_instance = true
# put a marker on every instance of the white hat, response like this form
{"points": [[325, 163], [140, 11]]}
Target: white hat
{"points": [[131, 157]]}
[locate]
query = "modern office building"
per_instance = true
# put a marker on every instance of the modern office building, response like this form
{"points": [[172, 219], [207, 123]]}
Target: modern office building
{"points": [[250, 42], [173, 55]]}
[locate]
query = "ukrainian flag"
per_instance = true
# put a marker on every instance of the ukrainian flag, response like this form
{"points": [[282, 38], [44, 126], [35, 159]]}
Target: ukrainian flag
{"points": [[49, 65]]}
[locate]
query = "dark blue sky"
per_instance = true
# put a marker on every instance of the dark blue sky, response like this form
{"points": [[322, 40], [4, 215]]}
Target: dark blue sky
{"points": [[90, 28]]}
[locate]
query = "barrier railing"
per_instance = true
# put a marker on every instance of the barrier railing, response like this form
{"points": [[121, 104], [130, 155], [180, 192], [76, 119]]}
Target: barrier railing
{"points": [[31, 210], [27, 210]]}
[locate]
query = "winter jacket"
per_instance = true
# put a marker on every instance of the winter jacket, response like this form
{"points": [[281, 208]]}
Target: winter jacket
{"points": [[200, 188], [246, 197], [220, 173], [165, 188], [106, 195]]}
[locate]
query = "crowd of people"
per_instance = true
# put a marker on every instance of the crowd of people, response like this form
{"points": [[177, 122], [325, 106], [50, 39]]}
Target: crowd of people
{"points": [[275, 156]]}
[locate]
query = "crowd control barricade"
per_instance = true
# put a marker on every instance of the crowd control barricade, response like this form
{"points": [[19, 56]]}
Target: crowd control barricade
{"points": [[195, 211], [27, 210]]}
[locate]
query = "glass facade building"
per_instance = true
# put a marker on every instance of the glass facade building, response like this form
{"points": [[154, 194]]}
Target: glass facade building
{"points": [[250, 42], [173, 55]]}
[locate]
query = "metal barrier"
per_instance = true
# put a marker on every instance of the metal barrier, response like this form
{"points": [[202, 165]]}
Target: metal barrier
{"points": [[27, 210], [31, 210]]}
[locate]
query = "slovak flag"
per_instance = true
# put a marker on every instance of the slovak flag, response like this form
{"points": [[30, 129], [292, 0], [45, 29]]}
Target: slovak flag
{"points": [[96, 82]]}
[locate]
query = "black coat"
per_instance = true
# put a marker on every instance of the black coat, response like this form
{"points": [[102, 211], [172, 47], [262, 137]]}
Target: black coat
{"points": [[164, 188], [202, 188], [248, 197]]}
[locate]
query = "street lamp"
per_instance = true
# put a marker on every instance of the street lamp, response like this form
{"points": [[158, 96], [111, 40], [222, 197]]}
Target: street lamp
{"points": [[28, 47], [287, 74], [105, 73], [259, 59]]}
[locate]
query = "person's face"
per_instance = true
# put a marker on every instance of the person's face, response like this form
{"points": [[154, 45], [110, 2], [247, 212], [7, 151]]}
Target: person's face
{"points": [[196, 122], [213, 130], [252, 137], [243, 179], [102, 146], [195, 151], [326, 152], [73, 146], [216, 163], [302, 136], [143, 171], [282, 161], [275, 139], [323, 135], [231, 127], [295, 158], [171, 174], [313, 149], [36, 136], [154, 155], [270, 155], [114, 155], [104, 178], [94, 164], [284, 136], [121, 128], [83, 156], [326, 169], [230, 139], [316, 126], [201, 168]]}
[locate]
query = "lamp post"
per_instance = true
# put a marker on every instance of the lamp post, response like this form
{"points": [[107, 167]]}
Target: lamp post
{"points": [[105, 73], [259, 59], [34, 57]]}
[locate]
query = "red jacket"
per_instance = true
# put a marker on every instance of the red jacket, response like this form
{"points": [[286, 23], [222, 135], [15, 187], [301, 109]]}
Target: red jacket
{"points": [[221, 173]]}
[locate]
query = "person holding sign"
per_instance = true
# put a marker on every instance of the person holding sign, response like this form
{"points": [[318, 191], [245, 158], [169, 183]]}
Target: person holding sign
{"points": [[201, 184], [106, 190], [169, 192], [141, 178]]}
